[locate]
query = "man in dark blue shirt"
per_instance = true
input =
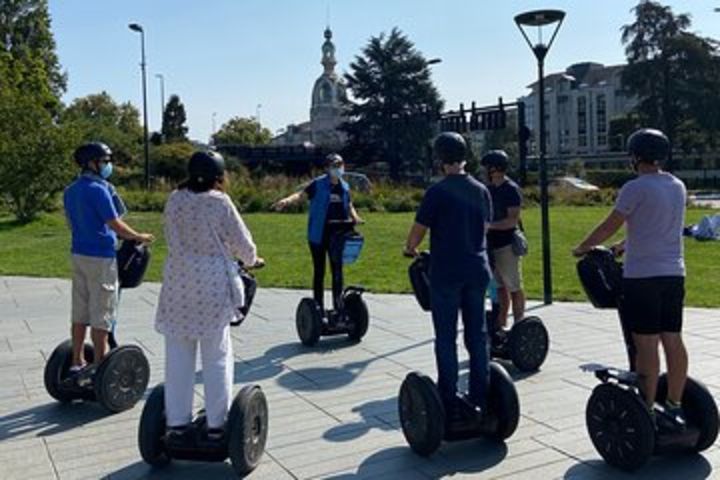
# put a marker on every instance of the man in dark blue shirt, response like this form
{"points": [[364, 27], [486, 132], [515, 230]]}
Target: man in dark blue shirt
{"points": [[456, 211]]}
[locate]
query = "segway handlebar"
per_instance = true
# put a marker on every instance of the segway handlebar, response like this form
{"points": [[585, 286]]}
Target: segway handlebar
{"points": [[257, 266], [346, 223]]}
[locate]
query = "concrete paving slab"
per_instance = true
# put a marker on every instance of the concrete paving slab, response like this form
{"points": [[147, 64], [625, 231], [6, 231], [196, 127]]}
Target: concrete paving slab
{"points": [[333, 407]]}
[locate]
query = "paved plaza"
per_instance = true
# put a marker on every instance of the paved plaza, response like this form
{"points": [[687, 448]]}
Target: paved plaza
{"points": [[333, 408]]}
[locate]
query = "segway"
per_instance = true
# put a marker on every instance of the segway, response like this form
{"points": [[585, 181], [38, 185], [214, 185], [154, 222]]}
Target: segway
{"points": [[618, 422], [121, 378], [246, 428], [426, 422], [526, 345], [350, 316]]}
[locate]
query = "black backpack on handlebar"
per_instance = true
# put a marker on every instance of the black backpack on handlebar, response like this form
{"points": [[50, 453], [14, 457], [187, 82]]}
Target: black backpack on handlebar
{"points": [[132, 262], [601, 277], [419, 273], [250, 285]]}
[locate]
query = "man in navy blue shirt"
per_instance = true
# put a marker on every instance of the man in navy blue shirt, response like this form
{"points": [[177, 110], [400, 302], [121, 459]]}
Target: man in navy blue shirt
{"points": [[456, 210], [93, 211]]}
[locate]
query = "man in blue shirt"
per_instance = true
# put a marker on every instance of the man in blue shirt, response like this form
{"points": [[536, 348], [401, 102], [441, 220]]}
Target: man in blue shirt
{"points": [[456, 210], [93, 211]]}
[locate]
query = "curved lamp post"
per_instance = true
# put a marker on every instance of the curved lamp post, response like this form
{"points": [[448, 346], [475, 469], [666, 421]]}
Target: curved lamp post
{"points": [[539, 19], [139, 29]]}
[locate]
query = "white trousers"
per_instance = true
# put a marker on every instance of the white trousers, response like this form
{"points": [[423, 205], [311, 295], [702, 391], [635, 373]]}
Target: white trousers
{"points": [[218, 372]]}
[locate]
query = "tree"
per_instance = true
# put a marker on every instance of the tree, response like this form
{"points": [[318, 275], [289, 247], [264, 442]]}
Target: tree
{"points": [[174, 118], [34, 154], [395, 102], [672, 71], [99, 118], [170, 160], [34, 148], [26, 37], [242, 131]]}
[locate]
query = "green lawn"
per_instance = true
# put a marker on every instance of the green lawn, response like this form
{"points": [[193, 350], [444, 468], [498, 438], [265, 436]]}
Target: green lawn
{"points": [[41, 249]]}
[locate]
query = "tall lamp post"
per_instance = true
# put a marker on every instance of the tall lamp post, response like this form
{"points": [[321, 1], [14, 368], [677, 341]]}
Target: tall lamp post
{"points": [[540, 19], [139, 29], [161, 77]]}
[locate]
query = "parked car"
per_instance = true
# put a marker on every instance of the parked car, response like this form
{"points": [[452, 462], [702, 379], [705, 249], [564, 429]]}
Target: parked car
{"points": [[571, 185], [357, 181]]}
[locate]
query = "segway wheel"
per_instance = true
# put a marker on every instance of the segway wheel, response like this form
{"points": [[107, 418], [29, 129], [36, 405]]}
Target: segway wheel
{"points": [[152, 429], [122, 378], [503, 402], [699, 407], [620, 427], [57, 368], [248, 429], [358, 316], [422, 414], [308, 321], [528, 344]]}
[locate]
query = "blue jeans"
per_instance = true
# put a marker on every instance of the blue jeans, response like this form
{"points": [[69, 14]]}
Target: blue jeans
{"points": [[447, 298]]}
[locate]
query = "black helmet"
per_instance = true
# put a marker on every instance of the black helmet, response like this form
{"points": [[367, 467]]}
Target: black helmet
{"points": [[450, 147], [91, 152], [206, 165], [649, 145], [333, 159], [495, 159]]}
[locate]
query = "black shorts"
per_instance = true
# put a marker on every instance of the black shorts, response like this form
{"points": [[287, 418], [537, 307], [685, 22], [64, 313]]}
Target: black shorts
{"points": [[653, 305]]}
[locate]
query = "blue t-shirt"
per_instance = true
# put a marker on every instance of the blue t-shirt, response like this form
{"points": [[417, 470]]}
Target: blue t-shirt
{"points": [[89, 206], [456, 210]]}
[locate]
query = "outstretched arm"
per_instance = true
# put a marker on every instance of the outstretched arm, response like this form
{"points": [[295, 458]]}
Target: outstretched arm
{"points": [[126, 232], [292, 199], [601, 233]]}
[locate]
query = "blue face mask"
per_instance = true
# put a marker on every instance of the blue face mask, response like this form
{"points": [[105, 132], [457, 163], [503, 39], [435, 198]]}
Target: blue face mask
{"points": [[337, 172], [106, 170]]}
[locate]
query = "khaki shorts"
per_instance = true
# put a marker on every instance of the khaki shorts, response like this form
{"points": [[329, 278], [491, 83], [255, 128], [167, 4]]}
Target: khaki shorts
{"points": [[94, 291], [507, 269]]}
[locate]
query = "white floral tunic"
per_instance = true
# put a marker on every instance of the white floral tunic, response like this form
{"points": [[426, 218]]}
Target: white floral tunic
{"points": [[201, 288]]}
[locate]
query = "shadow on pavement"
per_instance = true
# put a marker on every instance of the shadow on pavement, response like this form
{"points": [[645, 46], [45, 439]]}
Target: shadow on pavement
{"points": [[49, 419], [369, 419], [669, 467], [470, 457], [271, 363], [177, 470]]}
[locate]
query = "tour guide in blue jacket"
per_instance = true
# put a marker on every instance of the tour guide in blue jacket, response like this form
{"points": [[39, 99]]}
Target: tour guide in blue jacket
{"points": [[330, 203], [456, 210]]}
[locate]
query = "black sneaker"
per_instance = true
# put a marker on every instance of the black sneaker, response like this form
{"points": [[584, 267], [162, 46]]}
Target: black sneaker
{"points": [[669, 419], [80, 376], [180, 437]]}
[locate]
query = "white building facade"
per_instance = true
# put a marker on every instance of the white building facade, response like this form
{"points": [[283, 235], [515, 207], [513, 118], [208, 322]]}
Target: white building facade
{"points": [[579, 105]]}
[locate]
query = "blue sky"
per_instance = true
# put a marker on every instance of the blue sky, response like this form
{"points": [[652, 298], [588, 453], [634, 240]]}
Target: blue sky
{"points": [[228, 56]]}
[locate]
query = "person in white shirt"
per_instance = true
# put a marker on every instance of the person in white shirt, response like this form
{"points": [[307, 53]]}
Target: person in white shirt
{"points": [[201, 293]]}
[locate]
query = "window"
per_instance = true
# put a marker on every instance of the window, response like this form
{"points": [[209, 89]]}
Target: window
{"points": [[602, 128], [582, 121]]}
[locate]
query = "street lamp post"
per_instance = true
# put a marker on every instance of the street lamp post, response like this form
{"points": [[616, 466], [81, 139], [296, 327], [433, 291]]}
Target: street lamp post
{"points": [[161, 77], [540, 19], [257, 117], [214, 128], [139, 29]]}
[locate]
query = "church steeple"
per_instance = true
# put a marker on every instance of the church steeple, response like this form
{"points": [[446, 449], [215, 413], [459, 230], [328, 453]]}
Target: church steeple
{"points": [[328, 53]]}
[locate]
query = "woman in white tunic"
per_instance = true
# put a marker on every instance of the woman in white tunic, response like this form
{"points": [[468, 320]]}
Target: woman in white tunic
{"points": [[201, 293]]}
